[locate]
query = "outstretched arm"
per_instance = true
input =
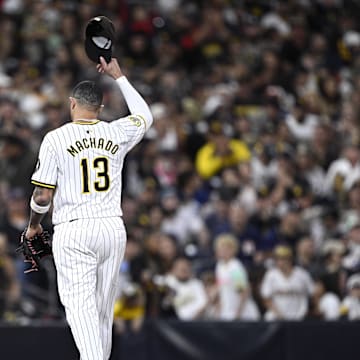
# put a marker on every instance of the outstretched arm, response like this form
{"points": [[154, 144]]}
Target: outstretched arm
{"points": [[134, 100]]}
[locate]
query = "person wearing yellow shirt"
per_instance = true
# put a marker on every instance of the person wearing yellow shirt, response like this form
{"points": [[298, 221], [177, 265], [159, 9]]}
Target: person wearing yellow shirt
{"points": [[220, 152], [129, 309]]}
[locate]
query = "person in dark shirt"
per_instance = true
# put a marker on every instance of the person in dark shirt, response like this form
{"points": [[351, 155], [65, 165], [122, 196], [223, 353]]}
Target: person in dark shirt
{"points": [[9, 286], [287, 232]]}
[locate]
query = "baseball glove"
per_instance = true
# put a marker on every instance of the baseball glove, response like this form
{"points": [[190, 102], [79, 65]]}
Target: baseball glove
{"points": [[34, 249]]}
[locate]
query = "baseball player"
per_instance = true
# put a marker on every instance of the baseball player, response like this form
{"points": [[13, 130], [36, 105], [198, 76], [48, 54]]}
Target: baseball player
{"points": [[79, 170]]}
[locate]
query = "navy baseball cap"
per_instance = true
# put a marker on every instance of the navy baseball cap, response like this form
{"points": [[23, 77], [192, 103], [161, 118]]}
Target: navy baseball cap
{"points": [[99, 38]]}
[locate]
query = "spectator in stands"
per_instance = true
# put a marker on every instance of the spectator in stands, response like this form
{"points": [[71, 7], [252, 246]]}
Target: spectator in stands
{"points": [[330, 97], [165, 169], [9, 285], [311, 210], [217, 217], [187, 293], [265, 218], [129, 309], [54, 116], [306, 256], [325, 304], [286, 288], [163, 133], [350, 306], [17, 161], [351, 212], [211, 310], [15, 220], [322, 144], [247, 194], [342, 170], [246, 233], [333, 273], [287, 232], [181, 220], [310, 170], [351, 260], [235, 300], [132, 251], [168, 250], [11, 119], [263, 164], [331, 225], [301, 124], [220, 152], [347, 124]]}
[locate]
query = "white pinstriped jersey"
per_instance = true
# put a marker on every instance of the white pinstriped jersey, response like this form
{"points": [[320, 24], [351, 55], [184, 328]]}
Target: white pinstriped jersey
{"points": [[83, 162]]}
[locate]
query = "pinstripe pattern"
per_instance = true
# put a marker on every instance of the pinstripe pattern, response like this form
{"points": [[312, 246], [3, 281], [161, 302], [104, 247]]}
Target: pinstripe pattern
{"points": [[61, 169], [89, 238], [87, 254]]}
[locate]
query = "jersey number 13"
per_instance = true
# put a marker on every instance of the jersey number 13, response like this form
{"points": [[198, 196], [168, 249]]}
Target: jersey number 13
{"points": [[101, 167]]}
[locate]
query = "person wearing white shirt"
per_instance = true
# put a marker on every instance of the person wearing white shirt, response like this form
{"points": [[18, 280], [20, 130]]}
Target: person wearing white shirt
{"points": [[286, 288], [344, 171], [188, 297], [326, 304], [181, 220], [350, 306], [302, 130], [351, 260], [235, 300]]}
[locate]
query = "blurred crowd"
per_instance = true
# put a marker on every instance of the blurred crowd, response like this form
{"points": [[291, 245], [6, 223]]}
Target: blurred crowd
{"points": [[243, 200]]}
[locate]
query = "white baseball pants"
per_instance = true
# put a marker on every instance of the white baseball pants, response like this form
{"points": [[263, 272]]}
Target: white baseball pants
{"points": [[87, 254]]}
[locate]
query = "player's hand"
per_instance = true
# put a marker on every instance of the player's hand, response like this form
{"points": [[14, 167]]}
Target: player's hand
{"points": [[112, 68], [31, 231]]}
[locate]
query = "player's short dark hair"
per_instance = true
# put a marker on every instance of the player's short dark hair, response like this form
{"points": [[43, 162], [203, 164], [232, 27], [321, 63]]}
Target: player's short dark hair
{"points": [[88, 94]]}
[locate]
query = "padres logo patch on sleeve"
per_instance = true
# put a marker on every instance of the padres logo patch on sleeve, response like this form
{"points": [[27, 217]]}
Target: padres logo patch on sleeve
{"points": [[135, 120]]}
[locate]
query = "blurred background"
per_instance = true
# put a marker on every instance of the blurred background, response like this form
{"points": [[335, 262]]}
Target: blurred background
{"points": [[243, 201]]}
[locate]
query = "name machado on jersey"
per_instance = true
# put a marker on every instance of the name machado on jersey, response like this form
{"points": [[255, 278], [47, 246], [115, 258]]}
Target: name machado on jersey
{"points": [[92, 143]]}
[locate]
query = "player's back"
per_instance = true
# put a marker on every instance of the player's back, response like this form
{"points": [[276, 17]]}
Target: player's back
{"points": [[89, 159]]}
